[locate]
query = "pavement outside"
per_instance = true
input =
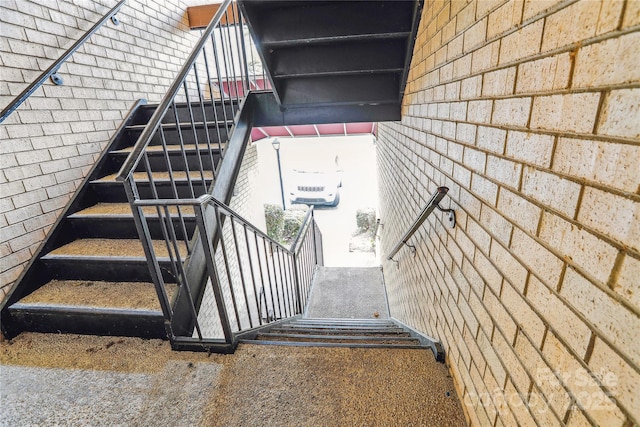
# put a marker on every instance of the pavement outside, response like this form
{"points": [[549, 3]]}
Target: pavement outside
{"points": [[348, 292]]}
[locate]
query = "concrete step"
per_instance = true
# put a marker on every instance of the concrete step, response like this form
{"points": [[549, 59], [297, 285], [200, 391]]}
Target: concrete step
{"points": [[332, 331], [358, 339]]}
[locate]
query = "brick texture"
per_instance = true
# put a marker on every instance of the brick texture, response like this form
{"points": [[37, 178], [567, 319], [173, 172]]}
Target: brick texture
{"points": [[535, 293], [49, 143]]}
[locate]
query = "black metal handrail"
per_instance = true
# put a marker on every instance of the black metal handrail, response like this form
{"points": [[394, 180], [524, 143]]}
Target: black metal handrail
{"points": [[53, 68], [229, 65], [433, 203], [252, 279]]}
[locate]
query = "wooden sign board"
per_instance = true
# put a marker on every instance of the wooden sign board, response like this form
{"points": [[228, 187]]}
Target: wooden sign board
{"points": [[201, 16]]}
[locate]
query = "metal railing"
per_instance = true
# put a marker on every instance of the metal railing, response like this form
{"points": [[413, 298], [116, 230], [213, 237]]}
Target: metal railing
{"points": [[179, 151], [433, 203], [193, 122], [216, 275], [53, 68], [251, 280]]}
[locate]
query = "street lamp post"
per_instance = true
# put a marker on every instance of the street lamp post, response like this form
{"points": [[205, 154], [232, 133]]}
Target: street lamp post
{"points": [[276, 146]]}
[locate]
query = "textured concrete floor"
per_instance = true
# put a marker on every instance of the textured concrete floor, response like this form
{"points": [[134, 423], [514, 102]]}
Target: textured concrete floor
{"points": [[48, 379], [348, 292], [57, 379]]}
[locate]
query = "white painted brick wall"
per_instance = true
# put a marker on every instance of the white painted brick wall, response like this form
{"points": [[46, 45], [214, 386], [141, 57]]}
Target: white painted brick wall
{"points": [[49, 144], [540, 276]]}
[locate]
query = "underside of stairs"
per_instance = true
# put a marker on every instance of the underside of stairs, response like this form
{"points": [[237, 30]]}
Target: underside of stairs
{"points": [[91, 275], [351, 57]]}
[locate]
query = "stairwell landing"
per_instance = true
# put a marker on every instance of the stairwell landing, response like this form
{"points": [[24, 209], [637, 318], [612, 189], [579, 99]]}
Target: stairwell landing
{"points": [[330, 372]]}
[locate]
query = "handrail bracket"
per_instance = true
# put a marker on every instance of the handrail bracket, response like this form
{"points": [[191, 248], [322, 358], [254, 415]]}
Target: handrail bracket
{"points": [[452, 215], [433, 203]]}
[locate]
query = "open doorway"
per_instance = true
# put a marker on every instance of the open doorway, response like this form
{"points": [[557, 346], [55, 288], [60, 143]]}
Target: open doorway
{"points": [[341, 171]]}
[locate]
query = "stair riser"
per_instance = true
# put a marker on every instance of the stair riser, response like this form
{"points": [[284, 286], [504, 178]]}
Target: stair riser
{"points": [[125, 228], [342, 340], [158, 161], [346, 327], [339, 332], [97, 269], [113, 192], [35, 319], [145, 113], [186, 135], [195, 161]]}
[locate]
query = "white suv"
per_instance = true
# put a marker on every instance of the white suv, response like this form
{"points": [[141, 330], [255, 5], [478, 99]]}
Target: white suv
{"points": [[315, 187]]}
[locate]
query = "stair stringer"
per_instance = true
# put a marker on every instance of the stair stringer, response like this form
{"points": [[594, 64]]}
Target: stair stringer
{"points": [[435, 345], [29, 280]]}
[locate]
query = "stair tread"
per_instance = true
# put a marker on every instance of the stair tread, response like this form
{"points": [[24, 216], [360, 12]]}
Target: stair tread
{"points": [[185, 124], [159, 176], [101, 294], [352, 337], [337, 339], [124, 210], [310, 321], [117, 248], [335, 344], [173, 148], [346, 327], [393, 332]]}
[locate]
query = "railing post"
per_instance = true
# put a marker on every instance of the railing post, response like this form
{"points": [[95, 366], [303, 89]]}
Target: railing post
{"points": [[296, 282], [145, 238], [206, 239], [313, 236]]}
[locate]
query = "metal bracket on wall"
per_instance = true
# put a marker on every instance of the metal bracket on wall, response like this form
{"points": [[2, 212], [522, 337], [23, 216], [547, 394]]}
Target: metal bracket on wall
{"points": [[452, 215], [413, 248], [397, 262], [115, 20], [56, 79]]}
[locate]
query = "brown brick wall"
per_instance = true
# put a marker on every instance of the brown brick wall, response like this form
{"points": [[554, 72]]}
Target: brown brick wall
{"points": [[49, 144], [529, 112]]}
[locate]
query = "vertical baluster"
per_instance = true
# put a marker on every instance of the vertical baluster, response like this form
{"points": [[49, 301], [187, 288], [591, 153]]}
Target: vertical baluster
{"points": [[281, 288], [266, 257], [214, 277], [273, 265], [222, 96], [225, 63], [196, 140], [203, 111], [244, 286], [263, 289], [174, 188], [285, 283], [242, 54], [253, 277], [226, 265], [182, 147], [179, 262], [232, 58], [139, 219]]}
